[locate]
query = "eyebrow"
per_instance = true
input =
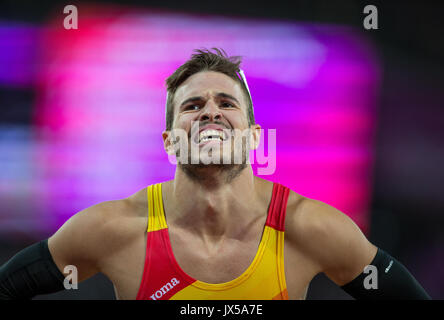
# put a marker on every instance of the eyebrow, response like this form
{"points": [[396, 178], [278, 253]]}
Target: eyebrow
{"points": [[200, 98]]}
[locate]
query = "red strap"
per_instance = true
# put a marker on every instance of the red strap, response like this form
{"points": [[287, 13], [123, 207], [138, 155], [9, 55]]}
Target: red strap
{"points": [[278, 207]]}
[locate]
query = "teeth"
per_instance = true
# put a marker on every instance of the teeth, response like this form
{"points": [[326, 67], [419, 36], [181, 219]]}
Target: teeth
{"points": [[209, 135], [210, 139]]}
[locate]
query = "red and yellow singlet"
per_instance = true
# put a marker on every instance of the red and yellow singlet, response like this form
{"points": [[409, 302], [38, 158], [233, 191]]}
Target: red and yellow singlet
{"points": [[264, 279]]}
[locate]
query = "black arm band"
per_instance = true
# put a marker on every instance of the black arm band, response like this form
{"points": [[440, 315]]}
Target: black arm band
{"points": [[30, 272], [385, 279]]}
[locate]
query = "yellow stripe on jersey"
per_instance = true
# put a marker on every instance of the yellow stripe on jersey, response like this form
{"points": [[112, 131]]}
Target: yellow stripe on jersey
{"points": [[156, 217]]}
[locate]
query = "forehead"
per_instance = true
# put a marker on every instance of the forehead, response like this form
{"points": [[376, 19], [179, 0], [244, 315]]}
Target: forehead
{"points": [[207, 82]]}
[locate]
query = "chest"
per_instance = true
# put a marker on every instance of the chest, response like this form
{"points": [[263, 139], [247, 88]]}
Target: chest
{"points": [[217, 264]]}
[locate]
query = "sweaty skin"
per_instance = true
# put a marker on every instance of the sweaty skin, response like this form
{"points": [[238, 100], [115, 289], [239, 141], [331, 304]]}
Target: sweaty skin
{"points": [[215, 223]]}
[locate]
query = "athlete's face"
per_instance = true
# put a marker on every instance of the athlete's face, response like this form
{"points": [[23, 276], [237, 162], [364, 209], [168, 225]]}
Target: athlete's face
{"points": [[217, 103]]}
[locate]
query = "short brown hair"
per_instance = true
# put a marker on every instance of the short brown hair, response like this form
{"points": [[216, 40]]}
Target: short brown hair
{"points": [[205, 60]]}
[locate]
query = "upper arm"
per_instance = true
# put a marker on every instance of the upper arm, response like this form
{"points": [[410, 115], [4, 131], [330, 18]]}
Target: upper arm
{"points": [[332, 240], [85, 239]]}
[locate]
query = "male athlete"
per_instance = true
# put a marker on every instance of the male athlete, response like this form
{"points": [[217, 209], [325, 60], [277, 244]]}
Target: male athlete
{"points": [[215, 231]]}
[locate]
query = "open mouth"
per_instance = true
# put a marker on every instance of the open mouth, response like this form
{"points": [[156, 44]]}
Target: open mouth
{"points": [[212, 135]]}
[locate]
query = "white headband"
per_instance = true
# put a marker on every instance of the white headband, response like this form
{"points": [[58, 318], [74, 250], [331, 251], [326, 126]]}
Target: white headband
{"points": [[244, 79]]}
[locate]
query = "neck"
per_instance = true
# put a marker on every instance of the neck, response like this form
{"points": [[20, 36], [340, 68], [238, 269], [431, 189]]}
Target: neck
{"points": [[214, 207]]}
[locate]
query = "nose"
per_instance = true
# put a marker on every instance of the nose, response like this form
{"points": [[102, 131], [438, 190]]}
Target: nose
{"points": [[210, 112]]}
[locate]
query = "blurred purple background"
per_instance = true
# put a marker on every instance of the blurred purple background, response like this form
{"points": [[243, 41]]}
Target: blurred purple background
{"points": [[83, 112], [99, 112]]}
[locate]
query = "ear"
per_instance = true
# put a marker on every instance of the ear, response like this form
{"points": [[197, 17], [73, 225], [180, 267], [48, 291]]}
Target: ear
{"points": [[167, 145], [255, 130]]}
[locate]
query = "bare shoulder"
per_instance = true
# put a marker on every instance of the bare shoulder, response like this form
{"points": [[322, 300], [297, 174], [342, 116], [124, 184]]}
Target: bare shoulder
{"points": [[329, 237], [308, 217], [95, 233], [109, 215]]}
